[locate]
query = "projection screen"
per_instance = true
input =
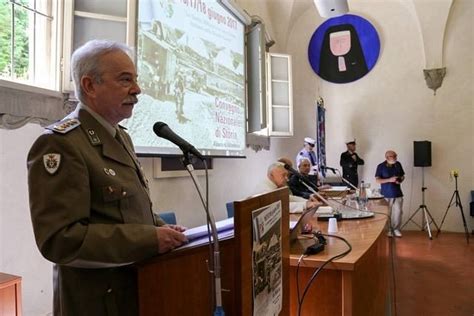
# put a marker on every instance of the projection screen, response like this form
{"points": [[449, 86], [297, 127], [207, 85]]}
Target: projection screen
{"points": [[190, 61]]}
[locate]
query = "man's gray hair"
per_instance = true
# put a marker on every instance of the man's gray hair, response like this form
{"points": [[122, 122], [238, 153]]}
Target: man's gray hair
{"points": [[303, 159], [274, 166], [85, 61]]}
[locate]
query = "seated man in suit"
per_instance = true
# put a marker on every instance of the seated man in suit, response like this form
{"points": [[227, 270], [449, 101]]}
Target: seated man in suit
{"points": [[298, 188], [277, 177]]}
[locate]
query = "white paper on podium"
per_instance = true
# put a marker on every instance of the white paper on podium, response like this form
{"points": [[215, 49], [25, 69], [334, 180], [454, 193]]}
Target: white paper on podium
{"points": [[201, 231]]}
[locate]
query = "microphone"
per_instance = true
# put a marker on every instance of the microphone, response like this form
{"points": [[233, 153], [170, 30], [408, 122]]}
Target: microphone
{"points": [[329, 168], [290, 169], [162, 130], [301, 177]]}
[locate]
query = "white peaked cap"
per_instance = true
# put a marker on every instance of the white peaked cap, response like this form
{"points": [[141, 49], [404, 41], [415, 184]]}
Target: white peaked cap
{"points": [[309, 140]]}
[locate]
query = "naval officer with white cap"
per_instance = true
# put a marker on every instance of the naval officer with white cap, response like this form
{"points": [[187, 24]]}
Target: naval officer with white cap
{"points": [[308, 152]]}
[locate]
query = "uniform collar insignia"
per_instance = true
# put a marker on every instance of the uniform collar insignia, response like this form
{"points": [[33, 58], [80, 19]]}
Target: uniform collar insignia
{"points": [[94, 139], [51, 162]]}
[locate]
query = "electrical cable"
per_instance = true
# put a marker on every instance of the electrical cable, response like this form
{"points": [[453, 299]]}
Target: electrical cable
{"points": [[297, 276], [318, 270]]}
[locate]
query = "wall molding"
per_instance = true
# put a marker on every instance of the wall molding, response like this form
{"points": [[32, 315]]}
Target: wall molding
{"points": [[21, 105]]}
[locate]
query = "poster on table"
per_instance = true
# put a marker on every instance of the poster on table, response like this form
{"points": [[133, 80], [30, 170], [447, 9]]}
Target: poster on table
{"points": [[267, 260]]}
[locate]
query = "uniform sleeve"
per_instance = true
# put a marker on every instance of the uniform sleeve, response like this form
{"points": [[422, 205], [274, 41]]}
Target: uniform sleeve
{"points": [[345, 161], [158, 220], [61, 213], [359, 160]]}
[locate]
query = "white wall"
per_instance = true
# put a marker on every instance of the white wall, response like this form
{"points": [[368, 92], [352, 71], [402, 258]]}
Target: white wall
{"points": [[389, 108], [18, 249]]}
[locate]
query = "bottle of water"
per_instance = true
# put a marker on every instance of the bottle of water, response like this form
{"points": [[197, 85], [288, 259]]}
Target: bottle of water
{"points": [[362, 196]]}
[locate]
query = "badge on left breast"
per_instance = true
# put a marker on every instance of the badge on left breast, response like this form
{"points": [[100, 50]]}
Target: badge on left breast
{"points": [[51, 162]]}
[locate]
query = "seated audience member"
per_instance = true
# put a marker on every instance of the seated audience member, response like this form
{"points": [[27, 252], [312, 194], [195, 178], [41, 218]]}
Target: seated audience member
{"points": [[298, 188], [277, 177]]}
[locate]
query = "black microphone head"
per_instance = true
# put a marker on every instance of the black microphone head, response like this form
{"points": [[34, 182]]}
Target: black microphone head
{"points": [[158, 126], [289, 168], [162, 130]]}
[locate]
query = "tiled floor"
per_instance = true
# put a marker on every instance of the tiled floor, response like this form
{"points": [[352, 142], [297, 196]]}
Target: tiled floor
{"points": [[434, 277]]}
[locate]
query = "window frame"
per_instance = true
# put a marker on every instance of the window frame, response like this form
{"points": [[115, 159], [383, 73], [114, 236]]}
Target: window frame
{"points": [[67, 47], [52, 53]]}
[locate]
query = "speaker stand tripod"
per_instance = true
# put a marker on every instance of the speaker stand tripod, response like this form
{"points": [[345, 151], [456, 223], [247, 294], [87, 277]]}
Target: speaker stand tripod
{"points": [[457, 203], [426, 219]]}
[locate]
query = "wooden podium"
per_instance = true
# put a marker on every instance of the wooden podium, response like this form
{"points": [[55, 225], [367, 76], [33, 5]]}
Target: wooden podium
{"points": [[179, 282]]}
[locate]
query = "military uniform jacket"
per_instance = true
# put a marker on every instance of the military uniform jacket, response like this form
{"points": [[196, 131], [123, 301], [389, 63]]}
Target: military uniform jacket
{"points": [[91, 216], [349, 167]]}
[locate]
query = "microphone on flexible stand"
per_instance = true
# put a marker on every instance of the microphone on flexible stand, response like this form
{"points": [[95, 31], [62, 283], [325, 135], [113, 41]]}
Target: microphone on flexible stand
{"points": [[342, 178], [329, 168], [350, 184], [162, 130]]}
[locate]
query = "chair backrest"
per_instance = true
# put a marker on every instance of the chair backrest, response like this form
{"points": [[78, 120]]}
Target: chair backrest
{"points": [[168, 217], [230, 209]]}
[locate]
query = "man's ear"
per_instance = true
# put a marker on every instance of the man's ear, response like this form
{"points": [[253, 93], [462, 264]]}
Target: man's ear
{"points": [[87, 84]]}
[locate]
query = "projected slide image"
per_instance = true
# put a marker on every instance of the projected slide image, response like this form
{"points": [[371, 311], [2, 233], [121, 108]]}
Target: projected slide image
{"points": [[190, 63]]}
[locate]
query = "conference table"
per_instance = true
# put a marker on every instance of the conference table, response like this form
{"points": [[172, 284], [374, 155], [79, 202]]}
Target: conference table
{"points": [[179, 283], [355, 285]]}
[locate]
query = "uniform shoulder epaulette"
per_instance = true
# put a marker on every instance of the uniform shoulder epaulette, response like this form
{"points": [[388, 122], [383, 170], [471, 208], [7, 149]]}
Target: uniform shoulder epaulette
{"points": [[64, 126]]}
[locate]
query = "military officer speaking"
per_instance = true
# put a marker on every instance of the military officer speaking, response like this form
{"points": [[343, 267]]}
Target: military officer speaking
{"points": [[89, 200]]}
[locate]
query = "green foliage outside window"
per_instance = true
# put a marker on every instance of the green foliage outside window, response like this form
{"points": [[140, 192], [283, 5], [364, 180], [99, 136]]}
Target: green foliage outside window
{"points": [[21, 41]]}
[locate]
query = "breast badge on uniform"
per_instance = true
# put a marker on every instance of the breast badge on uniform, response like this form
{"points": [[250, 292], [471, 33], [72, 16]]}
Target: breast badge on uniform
{"points": [[110, 172], [51, 162]]}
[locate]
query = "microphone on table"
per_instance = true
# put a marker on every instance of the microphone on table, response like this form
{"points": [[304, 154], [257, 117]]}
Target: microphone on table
{"points": [[162, 130]]}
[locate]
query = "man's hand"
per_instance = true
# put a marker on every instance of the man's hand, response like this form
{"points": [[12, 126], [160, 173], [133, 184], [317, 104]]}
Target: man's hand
{"points": [[177, 228], [393, 179], [169, 238], [325, 187], [312, 204]]}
